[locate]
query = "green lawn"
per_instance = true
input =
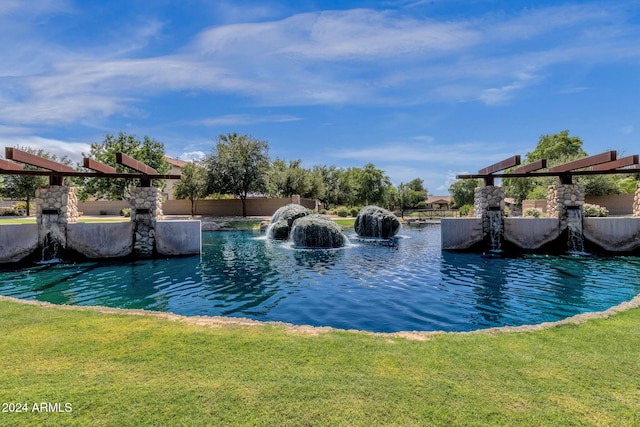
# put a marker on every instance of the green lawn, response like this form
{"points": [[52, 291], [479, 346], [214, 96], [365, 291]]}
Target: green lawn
{"points": [[32, 220], [121, 370]]}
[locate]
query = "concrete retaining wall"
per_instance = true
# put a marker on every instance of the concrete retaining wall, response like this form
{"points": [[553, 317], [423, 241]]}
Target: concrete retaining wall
{"points": [[17, 241], [178, 237], [531, 233], [101, 240], [460, 233], [613, 234]]}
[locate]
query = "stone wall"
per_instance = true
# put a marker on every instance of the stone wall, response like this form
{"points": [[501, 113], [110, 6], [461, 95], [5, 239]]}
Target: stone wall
{"points": [[56, 206], [488, 199], [563, 196], [636, 201], [146, 209]]}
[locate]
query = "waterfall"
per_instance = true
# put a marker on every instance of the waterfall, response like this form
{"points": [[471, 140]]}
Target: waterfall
{"points": [[495, 229], [53, 238], [575, 241]]}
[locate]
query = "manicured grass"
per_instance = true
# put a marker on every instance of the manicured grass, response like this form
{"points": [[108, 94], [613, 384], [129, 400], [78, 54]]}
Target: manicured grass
{"points": [[245, 225], [32, 220], [345, 223], [133, 370]]}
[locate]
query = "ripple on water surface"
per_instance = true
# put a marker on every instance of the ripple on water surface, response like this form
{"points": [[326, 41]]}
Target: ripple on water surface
{"points": [[406, 283]]}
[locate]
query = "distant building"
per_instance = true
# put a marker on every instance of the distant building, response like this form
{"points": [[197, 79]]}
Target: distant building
{"points": [[438, 202], [176, 169]]}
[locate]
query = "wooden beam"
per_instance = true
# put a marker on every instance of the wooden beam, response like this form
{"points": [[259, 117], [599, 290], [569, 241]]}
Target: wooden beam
{"points": [[130, 162], [502, 165], [537, 165], [97, 166], [10, 166], [616, 164], [33, 160], [605, 157]]}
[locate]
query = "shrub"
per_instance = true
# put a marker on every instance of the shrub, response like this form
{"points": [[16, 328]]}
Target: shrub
{"points": [[466, 210], [8, 212], [421, 205], [594, 210], [535, 213], [354, 211], [342, 212], [103, 212], [507, 211], [323, 211], [125, 212]]}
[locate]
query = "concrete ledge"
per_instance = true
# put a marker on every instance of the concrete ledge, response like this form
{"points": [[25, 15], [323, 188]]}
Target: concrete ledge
{"points": [[531, 233], [101, 240], [460, 233], [178, 237], [17, 241], [613, 234]]}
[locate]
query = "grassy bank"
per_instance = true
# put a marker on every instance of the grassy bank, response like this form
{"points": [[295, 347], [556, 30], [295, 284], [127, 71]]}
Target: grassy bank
{"points": [[132, 370]]}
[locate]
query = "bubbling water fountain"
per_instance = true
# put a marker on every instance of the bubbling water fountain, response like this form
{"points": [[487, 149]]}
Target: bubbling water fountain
{"points": [[377, 222], [317, 231]]}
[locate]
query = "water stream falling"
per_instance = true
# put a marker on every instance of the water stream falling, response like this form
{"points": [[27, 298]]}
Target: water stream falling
{"points": [[495, 230], [53, 238], [575, 241]]}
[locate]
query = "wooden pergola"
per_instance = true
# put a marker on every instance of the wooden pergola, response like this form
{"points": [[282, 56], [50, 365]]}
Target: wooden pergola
{"points": [[57, 171], [605, 163]]}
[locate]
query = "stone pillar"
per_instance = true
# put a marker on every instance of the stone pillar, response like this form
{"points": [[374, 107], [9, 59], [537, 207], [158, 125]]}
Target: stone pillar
{"points": [[636, 201], [562, 197], [56, 206], [146, 209], [488, 199], [295, 199]]}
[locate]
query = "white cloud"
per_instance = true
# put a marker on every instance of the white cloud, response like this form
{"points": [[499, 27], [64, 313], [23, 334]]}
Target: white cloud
{"points": [[245, 119], [357, 56], [72, 150], [192, 155]]}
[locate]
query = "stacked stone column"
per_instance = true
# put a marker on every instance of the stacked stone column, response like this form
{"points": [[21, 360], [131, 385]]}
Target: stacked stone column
{"points": [[562, 197], [636, 201], [146, 209], [486, 199], [56, 206]]}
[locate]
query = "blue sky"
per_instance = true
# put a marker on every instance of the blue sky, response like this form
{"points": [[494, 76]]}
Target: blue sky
{"points": [[420, 88]]}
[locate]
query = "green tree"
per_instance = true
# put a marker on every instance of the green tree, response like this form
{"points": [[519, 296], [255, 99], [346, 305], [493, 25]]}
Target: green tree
{"points": [[193, 185], [238, 165], [147, 151], [286, 180], [23, 187], [373, 185], [463, 191], [556, 146], [418, 193], [402, 197]]}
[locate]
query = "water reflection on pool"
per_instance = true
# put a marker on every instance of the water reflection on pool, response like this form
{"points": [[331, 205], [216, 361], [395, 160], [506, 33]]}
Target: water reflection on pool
{"points": [[405, 284]]}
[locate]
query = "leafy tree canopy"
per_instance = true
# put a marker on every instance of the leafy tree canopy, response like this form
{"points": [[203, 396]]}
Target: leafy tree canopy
{"points": [[463, 191], [193, 184], [238, 165], [556, 146], [147, 151]]}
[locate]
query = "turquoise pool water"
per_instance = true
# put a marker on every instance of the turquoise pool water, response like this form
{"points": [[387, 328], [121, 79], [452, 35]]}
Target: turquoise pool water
{"points": [[405, 284]]}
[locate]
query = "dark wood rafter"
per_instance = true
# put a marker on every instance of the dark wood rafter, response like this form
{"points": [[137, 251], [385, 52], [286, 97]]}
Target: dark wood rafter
{"points": [[496, 167], [501, 165], [10, 166], [600, 164], [585, 162], [617, 164], [98, 167], [57, 171], [537, 165], [130, 162]]}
